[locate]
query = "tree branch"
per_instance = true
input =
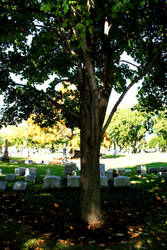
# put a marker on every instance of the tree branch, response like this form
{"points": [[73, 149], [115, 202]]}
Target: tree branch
{"points": [[130, 63], [146, 70], [50, 100]]}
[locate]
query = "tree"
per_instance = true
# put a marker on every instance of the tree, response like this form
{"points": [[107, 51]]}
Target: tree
{"points": [[127, 128], [80, 43], [160, 125]]}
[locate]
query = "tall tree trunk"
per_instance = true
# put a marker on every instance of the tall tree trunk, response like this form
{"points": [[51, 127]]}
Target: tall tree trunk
{"points": [[90, 151]]}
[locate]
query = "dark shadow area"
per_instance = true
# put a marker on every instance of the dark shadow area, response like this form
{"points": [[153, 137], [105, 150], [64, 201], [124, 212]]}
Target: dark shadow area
{"points": [[134, 217]]}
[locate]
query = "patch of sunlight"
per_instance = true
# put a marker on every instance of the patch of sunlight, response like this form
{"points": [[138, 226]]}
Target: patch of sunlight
{"points": [[34, 243], [46, 194]]}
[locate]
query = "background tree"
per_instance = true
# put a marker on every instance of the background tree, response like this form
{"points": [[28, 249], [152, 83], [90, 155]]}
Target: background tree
{"points": [[160, 125], [127, 128], [80, 42], [157, 142]]}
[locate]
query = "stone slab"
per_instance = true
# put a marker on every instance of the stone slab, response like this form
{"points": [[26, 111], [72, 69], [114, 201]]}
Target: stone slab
{"points": [[0, 171], [3, 185], [30, 178], [73, 181], [103, 181], [20, 171], [102, 167], [70, 169], [162, 174], [153, 170], [52, 182], [20, 185], [163, 169], [10, 177], [121, 171], [121, 181]]}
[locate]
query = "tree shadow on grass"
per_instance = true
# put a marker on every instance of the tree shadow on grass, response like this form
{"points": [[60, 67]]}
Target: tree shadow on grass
{"points": [[50, 219]]}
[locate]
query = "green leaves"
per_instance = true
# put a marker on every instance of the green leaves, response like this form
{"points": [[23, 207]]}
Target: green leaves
{"points": [[46, 7]]}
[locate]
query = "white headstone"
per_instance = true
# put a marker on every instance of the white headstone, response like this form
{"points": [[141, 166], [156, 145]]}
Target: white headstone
{"points": [[30, 171], [121, 181], [73, 181], [141, 170], [10, 177], [3, 185], [20, 186], [0, 171], [52, 182]]}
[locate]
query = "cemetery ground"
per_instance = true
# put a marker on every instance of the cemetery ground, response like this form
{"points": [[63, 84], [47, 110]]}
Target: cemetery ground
{"points": [[135, 217]]}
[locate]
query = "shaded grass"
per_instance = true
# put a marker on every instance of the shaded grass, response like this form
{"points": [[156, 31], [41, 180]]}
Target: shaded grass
{"points": [[135, 217]]}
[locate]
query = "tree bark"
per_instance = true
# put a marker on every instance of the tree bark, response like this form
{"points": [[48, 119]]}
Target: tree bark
{"points": [[90, 177], [90, 202]]}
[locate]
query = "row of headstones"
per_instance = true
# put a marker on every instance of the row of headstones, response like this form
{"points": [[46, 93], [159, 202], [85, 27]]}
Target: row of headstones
{"points": [[161, 172], [74, 181], [31, 162]]}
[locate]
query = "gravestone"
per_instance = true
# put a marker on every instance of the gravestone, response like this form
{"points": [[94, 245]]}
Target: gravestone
{"points": [[102, 167], [3, 185], [141, 170], [108, 174], [30, 178], [121, 171], [48, 172], [121, 181], [114, 171], [73, 181], [28, 161], [52, 182], [30, 171], [10, 177], [20, 185], [70, 169], [163, 169], [162, 174], [153, 170], [20, 171], [0, 171], [103, 181]]}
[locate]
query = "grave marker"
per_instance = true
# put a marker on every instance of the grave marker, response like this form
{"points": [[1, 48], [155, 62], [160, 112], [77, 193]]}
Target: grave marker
{"points": [[3, 185], [73, 181], [20, 186], [10, 177], [52, 182], [121, 181]]}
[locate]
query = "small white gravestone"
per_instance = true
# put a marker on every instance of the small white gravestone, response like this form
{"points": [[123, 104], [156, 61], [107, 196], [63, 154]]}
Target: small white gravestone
{"points": [[0, 171], [121, 171], [20, 186], [20, 171], [48, 172], [102, 167], [73, 181], [153, 170], [3, 185], [52, 182], [30, 178], [10, 177], [30, 171], [162, 174], [141, 170], [121, 181], [108, 174], [163, 169], [103, 181]]}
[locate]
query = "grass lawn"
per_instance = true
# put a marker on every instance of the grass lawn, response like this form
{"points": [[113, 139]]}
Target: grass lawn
{"points": [[134, 218]]}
